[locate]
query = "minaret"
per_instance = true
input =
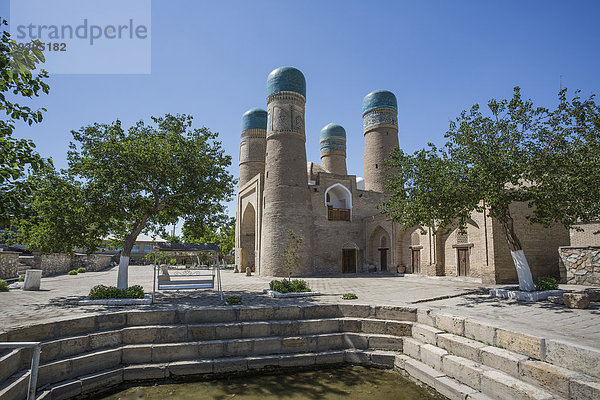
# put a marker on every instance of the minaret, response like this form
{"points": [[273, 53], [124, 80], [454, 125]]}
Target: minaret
{"points": [[333, 149], [380, 123], [253, 144], [285, 194]]}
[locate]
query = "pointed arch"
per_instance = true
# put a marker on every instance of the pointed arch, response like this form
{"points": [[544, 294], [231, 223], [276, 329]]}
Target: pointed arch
{"points": [[338, 197]]}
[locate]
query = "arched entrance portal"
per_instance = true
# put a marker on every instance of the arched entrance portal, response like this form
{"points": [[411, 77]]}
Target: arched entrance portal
{"points": [[248, 237]]}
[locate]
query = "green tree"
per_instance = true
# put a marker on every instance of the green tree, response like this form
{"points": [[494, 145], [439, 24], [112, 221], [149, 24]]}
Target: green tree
{"points": [[221, 229], [17, 155], [150, 175], [515, 153], [60, 214]]}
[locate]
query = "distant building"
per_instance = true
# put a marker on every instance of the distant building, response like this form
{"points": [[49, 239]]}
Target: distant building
{"points": [[336, 214]]}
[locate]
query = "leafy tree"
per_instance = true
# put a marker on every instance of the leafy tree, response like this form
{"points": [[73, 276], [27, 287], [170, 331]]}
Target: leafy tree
{"points": [[514, 153], [221, 229], [150, 175], [60, 214], [17, 155]]}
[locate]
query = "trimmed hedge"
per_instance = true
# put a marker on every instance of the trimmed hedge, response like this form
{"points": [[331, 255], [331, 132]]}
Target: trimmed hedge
{"points": [[289, 286], [110, 292]]}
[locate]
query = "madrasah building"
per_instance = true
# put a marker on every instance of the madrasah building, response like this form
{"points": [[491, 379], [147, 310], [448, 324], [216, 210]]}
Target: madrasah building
{"points": [[336, 214]]}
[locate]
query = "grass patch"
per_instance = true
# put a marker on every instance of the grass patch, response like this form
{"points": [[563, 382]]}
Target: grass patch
{"points": [[232, 300], [349, 296]]}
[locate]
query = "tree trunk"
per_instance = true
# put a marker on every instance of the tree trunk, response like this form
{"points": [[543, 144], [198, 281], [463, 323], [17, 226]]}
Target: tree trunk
{"points": [[516, 251], [122, 278]]}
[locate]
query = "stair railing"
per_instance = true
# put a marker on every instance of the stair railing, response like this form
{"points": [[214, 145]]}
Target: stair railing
{"points": [[35, 362]]}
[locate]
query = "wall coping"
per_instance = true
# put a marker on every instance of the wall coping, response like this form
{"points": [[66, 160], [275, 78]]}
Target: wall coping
{"points": [[578, 247]]}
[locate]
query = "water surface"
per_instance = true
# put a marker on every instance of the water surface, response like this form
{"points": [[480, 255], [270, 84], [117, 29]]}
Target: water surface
{"points": [[347, 382]]}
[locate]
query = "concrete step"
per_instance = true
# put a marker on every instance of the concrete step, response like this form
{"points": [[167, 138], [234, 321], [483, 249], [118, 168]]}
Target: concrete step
{"points": [[15, 387], [10, 363], [461, 362]]}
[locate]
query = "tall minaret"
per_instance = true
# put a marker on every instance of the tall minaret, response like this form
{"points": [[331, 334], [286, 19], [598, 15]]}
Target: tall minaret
{"points": [[253, 144], [286, 197], [333, 149], [380, 122]]}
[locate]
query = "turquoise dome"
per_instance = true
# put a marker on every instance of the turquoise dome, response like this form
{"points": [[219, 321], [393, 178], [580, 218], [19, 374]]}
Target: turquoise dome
{"points": [[255, 118], [333, 130], [379, 98], [286, 79]]}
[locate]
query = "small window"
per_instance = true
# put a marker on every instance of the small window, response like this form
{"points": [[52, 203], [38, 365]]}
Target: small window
{"points": [[267, 174], [376, 166], [328, 198]]}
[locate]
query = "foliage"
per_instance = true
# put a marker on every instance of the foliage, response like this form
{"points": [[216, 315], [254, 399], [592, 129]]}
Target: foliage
{"points": [[349, 296], [173, 239], [289, 286], [17, 155], [549, 159], [111, 292], [61, 215], [546, 283], [3, 286], [72, 272], [231, 300], [21, 278], [291, 259], [81, 270], [173, 261], [220, 229]]}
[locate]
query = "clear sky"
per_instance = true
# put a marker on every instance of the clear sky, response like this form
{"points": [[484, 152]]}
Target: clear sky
{"points": [[211, 59]]}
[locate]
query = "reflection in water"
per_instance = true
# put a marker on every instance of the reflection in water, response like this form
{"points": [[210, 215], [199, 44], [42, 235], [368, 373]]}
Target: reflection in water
{"points": [[329, 384]]}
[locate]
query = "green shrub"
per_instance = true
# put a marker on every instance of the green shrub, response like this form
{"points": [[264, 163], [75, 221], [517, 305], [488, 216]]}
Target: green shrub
{"points": [[349, 296], [111, 292], [22, 278], [72, 272], [173, 261], [546, 283], [3, 286], [233, 300], [289, 286], [81, 270]]}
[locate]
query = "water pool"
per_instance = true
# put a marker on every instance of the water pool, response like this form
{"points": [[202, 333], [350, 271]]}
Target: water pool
{"points": [[349, 382]]}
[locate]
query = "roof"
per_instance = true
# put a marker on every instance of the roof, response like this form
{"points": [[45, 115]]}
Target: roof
{"points": [[189, 247], [286, 79], [255, 118], [379, 98]]}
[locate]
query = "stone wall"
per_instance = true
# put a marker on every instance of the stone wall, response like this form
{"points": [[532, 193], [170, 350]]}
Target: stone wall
{"points": [[54, 264], [580, 264], [9, 263]]}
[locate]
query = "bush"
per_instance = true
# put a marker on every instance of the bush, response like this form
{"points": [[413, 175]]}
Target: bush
{"points": [[546, 283], [233, 300], [3, 286], [111, 292], [289, 286], [173, 261], [349, 296], [81, 270], [72, 272], [22, 278]]}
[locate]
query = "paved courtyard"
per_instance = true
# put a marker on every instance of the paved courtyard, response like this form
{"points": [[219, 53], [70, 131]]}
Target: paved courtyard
{"points": [[60, 294]]}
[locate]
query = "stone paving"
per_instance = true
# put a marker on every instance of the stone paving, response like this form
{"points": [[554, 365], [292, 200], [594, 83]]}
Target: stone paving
{"points": [[59, 296]]}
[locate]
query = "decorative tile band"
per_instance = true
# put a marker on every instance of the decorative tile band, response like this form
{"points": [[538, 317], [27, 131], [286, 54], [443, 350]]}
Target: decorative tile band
{"points": [[287, 96], [384, 116], [254, 134], [336, 144]]}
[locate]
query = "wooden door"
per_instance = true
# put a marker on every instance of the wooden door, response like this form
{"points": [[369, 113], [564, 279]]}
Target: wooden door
{"points": [[348, 261], [416, 261], [463, 262], [383, 259]]}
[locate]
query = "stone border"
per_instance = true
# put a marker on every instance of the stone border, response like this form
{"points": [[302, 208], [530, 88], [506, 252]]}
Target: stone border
{"points": [[117, 302], [509, 293], [278, 295]]}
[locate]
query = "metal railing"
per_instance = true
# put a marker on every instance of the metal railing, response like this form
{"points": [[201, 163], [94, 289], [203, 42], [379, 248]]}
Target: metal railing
{"points": [[35, 362]]}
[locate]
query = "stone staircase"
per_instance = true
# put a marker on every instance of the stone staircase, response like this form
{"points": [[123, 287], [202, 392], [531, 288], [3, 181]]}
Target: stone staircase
{"points": [[459, 358]]}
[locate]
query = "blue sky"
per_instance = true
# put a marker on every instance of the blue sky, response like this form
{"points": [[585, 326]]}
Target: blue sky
{"points": [[211, 60]]}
